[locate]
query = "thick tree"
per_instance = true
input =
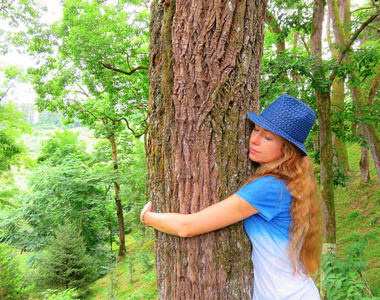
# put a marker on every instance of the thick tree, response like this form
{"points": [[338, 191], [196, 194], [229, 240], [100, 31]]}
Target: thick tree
{"points": [[204, 69]]}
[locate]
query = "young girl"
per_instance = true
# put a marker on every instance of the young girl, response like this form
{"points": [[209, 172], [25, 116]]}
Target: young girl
{"points": [[279, 205]]}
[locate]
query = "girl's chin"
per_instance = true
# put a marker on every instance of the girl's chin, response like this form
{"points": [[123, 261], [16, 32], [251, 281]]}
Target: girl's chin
{"points": [[252, 157]]}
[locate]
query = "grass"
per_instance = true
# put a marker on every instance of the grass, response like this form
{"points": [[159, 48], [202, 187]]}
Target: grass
{"points": [[358, 215], [132, 278]]}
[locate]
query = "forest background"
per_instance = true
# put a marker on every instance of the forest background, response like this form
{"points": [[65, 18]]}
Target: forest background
{"points": [[73, 161]]}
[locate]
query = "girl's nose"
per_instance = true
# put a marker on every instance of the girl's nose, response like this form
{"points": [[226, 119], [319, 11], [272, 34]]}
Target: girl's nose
{"points": [[255, 138]]}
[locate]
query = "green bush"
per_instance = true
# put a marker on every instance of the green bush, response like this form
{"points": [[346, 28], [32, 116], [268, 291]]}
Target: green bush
{"points": [[63, 295], [344, 276], [65, 263], [12, 283]]}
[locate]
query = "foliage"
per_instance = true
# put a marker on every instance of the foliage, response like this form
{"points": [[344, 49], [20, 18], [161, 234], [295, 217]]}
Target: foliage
{"points": [[295, 16], [298, 73], [12, 151], [60, 145], [131, 170], [65, 262], [10, 75], [69, 190], [12, 283], [49, 120], [68, 294], [12, 125], [344, 276], [340, 175], [100, 69], [16, 17]]}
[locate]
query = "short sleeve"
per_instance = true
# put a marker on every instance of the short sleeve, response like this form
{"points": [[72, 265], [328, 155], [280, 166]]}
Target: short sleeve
{"points": [[268, 195]]}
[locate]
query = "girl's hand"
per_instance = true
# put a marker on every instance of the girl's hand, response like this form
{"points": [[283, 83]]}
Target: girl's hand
{"points": [[147, 208]]}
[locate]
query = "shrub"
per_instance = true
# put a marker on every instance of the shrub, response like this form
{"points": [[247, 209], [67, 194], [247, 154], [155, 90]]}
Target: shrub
{"points": [[12, 281], [344, 276], [65, 263]]}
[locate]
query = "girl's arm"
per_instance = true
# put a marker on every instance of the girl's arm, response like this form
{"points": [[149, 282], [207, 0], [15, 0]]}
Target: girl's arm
{"points": [[219, 215]]}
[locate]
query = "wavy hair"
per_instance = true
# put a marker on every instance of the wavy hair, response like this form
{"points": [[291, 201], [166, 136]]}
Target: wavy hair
{"points": [[296, 170]]}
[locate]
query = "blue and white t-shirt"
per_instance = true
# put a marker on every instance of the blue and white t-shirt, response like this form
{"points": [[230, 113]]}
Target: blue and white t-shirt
{"points": [[274, 278]]}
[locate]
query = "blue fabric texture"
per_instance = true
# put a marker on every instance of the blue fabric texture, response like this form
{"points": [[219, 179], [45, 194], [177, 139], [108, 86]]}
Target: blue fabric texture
{"points": [[268, 232]]}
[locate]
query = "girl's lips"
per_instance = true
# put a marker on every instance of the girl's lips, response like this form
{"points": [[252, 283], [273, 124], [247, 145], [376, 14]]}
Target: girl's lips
{"points": [[254, 151]]}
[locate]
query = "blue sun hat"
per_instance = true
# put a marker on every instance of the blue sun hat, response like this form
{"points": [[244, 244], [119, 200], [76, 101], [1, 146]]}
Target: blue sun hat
{"points": [[287, 117]]}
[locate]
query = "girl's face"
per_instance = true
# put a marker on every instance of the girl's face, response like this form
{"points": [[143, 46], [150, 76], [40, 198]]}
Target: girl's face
{"points": [[265, 146]]}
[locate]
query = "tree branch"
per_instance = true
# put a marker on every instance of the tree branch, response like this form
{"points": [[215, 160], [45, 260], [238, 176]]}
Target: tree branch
{"points": [[6, 92], [356, 34], [305, 44], [353, 39], [110, 67], [373, 27], [80, 92], [87, 112], [6, 5], [274, 79], [362, 8]]}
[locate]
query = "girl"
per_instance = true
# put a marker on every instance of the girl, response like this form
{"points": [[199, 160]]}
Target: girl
{"points": [[279, 205]]}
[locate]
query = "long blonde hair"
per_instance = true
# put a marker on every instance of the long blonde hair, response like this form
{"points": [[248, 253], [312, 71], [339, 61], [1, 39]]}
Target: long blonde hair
{"points": [[296, 170]]}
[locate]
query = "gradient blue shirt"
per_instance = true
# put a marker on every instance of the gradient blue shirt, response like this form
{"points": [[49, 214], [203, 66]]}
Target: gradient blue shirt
{"points": [[268, 232]]}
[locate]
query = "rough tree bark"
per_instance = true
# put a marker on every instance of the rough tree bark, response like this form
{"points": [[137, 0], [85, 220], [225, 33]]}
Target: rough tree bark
{"points": [[325, 130], [204, 68]]}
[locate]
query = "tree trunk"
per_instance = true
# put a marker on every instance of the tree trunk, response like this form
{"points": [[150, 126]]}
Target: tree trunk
{"points": [[337, 101], [119, 206], [204, 68], [325, 130], [338, 95], [327, 177], [364, 165], [369, 129], [275, 28], [340, 147]]}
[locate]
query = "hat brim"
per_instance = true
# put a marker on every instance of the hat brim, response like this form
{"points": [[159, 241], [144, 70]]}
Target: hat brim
{"points": [[262, 122]]}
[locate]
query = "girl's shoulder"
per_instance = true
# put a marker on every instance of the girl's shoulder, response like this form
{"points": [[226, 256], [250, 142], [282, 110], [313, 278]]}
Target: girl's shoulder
{"points": [[269, 179], [266, 184]]}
